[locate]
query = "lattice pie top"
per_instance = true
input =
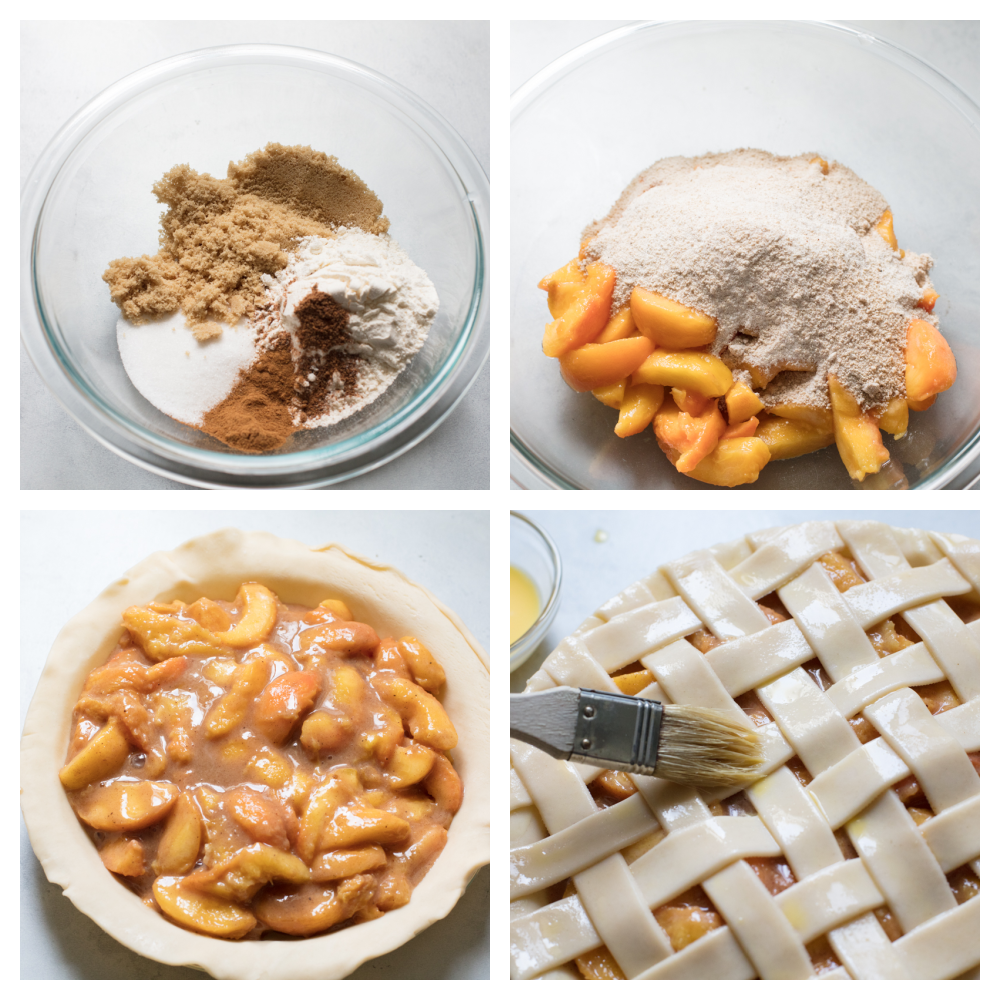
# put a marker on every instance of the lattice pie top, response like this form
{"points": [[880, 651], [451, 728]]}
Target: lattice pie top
{"points": [[854, 647]]}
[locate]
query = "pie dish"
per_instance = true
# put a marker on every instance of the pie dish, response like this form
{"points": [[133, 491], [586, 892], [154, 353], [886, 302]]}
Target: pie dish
{"points": [[215, 566], [853, 647]]}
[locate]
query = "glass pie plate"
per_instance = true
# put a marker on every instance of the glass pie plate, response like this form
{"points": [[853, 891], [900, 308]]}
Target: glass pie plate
{"points": [[88, 201], [588, 123]]}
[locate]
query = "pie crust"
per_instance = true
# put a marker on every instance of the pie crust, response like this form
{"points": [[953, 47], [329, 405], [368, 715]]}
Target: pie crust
{"points": [[215, 566], [839, 824]]}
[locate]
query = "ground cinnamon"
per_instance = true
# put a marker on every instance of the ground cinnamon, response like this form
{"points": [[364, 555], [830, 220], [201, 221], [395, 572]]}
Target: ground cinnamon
{"points": [[322, 329]]}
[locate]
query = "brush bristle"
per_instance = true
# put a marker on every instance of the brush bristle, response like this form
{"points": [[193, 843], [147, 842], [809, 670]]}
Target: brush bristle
{"points": [[699, 746]]}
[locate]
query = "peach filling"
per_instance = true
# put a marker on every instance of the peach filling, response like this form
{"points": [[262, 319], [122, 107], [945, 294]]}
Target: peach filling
{"points": [[251, 767]]}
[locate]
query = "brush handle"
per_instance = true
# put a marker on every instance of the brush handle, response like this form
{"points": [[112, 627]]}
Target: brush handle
{"points": [[590, 727]]}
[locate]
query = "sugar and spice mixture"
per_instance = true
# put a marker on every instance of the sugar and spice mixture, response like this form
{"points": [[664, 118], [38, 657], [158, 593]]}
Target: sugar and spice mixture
{"points": [[277, 300]]}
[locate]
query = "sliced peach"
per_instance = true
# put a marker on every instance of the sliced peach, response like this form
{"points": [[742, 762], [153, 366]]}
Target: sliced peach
{"points": [[322, 732], [928, 299], [638, 409], [162, 635], [564, 287], [690, 401], [310, 909], [823, 165], [697, 370], [283, 702], [230, 710], [181, 841], [344, 864], [895, 418], [585, 317], [673, 326], [357, 825], [126, 805], [820, 417], [259, 813], [746, 429], [924, 404], [930, 365], [685, 439], [612, 395], [427, 672], [337, 608], [885, 230], [568, 272], [241, 875], [409, 765], [200, 911], [620, 325], [209, 614], [733, 462], [855, 433], [423, 715], [742, 403], [348, 638], [124, 857], [596, 365], [790, 438], [260, 611], [99, 759], [444, 785]]}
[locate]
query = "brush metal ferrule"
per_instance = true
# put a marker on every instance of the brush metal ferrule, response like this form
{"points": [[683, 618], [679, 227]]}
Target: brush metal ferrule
{"points": [[617, 728]]}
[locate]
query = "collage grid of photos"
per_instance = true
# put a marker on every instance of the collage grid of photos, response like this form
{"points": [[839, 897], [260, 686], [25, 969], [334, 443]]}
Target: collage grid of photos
{"points": [[261, 737]]}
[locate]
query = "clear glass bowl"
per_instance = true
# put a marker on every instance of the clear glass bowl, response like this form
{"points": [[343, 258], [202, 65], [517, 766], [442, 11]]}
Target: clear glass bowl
{"points": [[534, 553], [88, 201], [587, 124]]}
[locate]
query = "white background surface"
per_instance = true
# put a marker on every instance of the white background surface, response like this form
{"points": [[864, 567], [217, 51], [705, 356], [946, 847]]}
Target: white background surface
{"points": [[64, 64], [68, 558], [640, 541]]}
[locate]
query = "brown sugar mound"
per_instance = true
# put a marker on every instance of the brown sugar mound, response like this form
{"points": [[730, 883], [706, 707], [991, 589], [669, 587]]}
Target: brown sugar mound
{"points": [[220, 235]]}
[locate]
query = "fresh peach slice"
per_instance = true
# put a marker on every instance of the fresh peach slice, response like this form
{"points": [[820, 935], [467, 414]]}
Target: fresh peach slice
{"points": [[733, 462], [564, 287], [126, 805], [690, 401], [742, 403], [568, 272], [697, 370], [99, 759], [792, 438], [344, 864], [928, 299], [687, 439], [612, 395], [856, 433], [283, 702], [746, 429], [638, 409], [260, 612], [596, 365], [200, 911], [673, 326], [930, 365], [620, 325], [585, 318], [885, 230], [820, 417], [895, 418]]}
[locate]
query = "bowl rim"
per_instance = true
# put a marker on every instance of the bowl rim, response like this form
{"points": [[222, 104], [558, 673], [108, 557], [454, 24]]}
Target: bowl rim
{"points": [[529, 472], [307, 468], [523, 647]]}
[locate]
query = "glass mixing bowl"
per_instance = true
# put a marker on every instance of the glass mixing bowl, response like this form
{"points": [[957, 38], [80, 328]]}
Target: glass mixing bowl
{"points": [[88, 201], [588, 123]]}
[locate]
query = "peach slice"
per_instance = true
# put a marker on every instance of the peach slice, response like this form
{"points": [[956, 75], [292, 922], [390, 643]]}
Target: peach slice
{"points": [[337, 608], [928, 299], [124, 857], [597, 365], [696, 370], [884, 228], [229, 711], [791, 438], [612, 395], [422, 714], [409, 765], [357, 825], [690, 401], [238, 877], [126, 805], [855, 433], [427, 672], [310, 909], [444, 785], [564, 287], [895, 418], [733, 462], [163, 635], [344, 864], [742, 403], [620, 325], [930, 365], [638, 409], [260, 611], [746, 429], [585, 317], [673, 326], [181, 841], [820, 417], [686, 439], [201, 912], [283, 702], [99, 759], [209, 614], [323, 732]]}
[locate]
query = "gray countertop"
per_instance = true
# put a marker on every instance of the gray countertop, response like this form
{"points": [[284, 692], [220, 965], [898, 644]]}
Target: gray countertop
{"points": [[66, 63], [68, 557]]}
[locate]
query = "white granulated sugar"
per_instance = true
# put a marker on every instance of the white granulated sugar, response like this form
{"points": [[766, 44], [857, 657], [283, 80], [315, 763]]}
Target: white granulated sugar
{"points": [[785, 258], [391, 303], [179, 375]]}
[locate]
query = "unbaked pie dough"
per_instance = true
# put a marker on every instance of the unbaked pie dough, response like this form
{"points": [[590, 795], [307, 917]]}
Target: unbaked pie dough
{"points": [[215, 566], [854, 648]]}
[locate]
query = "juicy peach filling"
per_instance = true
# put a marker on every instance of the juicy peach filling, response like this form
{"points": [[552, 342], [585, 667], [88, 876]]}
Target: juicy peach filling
{"points": [[650, 361], [248, 766]]}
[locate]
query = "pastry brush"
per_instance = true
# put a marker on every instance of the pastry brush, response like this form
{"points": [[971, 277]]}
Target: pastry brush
{"points": [[683, 743]]}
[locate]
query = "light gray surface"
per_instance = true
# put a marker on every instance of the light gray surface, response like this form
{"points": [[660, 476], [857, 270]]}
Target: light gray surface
{"points": [[64, 64], [639, 541], [68, 558]]}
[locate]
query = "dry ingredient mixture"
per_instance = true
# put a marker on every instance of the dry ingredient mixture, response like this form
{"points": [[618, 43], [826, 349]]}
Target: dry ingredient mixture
{"points": [[277, 301], [784, 256]]}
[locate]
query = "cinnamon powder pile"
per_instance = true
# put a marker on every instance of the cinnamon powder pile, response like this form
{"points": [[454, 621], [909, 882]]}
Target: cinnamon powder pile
{"points": [[218, 236], [276, 392]]}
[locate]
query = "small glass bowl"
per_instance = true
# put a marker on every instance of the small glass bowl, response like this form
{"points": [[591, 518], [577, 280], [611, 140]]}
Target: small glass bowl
{"points": [[88, 201], [688, 88], [534, 553]]}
